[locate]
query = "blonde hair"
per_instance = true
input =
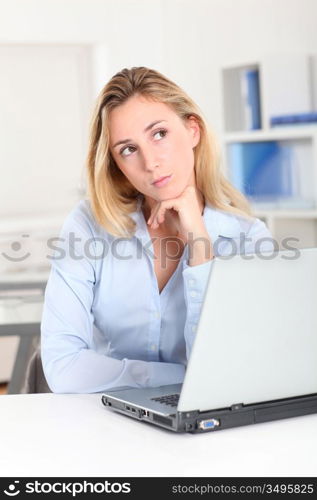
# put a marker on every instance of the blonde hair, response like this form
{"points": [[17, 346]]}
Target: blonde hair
{"points": [[111, 194]]}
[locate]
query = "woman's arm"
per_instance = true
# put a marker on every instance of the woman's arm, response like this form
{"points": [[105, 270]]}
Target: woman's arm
{"points": [[71, 365]]}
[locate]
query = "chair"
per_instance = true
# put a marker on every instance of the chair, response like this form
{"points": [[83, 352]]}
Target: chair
{"points": [[35, 381]]}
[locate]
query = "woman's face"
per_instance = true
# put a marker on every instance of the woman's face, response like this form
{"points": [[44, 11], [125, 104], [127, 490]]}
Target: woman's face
{"points": [[153, 143]]}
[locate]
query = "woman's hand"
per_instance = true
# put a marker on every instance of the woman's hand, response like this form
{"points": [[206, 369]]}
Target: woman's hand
{"points": [[190, 224]]}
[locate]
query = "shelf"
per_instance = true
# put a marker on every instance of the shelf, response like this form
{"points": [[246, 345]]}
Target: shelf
{"points": [[274, 167], [289, 132], [287, 214], [274, 174]]}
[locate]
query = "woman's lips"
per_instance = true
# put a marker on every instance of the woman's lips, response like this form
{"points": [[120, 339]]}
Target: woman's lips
{"points": [[163, 181]]}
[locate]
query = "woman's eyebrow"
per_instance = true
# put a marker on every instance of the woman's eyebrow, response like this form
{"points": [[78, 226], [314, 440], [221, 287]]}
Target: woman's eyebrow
{"points": [[124, 141]]}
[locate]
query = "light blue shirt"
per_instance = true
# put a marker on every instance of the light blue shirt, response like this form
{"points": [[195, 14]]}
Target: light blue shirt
{"points": [[105, 324]]}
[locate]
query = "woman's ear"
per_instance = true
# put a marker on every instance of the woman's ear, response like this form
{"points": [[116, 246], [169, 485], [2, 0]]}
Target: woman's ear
{"points": [[194, 129]]}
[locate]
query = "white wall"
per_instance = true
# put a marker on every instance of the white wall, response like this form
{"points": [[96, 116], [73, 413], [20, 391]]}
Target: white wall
{"points": [[188, 41], [44, 96], [212, 33]]}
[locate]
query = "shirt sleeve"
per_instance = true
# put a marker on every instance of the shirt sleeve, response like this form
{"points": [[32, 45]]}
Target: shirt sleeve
{"points": [[70, 363], [258, 239]]}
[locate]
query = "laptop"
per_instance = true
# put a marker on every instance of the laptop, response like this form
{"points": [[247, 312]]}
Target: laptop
{"points": [[254, 357]]}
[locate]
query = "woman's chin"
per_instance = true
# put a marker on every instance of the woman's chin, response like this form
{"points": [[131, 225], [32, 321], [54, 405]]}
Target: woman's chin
{"points": [[166, 193], [173, 193], [169, 193]]}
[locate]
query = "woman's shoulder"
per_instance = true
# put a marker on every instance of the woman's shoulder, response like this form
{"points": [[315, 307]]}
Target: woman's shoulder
{"points": [[81, 219], [230, 225]]}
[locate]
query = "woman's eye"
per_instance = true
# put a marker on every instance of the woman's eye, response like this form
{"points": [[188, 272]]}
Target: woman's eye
{"points": [[162, 131], [130, 149], [125, 149]]}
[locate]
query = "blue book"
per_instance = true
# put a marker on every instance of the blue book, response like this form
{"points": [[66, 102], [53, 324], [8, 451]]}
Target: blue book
{"points": [[294, 118], [253, 97], [263, 171], [235, 158]]}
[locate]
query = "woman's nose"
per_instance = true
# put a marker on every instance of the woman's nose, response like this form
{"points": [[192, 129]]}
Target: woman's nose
{"points": [[150, 159]]}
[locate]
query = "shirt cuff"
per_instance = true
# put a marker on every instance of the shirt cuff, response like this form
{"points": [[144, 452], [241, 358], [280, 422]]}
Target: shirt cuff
{"points": [[196, 280]]}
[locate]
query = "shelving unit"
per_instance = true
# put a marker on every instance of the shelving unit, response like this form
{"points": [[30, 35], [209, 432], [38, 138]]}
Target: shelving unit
{"points": [[286, 84]]}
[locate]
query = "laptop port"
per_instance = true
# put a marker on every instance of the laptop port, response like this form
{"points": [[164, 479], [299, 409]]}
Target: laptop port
{"points": [[145, 413], [206, 425]]}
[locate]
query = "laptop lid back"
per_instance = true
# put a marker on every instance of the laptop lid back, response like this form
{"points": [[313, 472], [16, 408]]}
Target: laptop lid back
{"points": [[256, 339]]}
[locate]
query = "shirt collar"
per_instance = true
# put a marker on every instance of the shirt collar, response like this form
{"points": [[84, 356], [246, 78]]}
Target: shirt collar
{"points": [[221, 223]]}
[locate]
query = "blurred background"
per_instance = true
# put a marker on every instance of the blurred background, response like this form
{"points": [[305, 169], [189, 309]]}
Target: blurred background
{"points": [[251, 66]]}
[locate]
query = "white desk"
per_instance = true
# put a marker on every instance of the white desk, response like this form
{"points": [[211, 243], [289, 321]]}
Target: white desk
{"points": [[74, 435]]}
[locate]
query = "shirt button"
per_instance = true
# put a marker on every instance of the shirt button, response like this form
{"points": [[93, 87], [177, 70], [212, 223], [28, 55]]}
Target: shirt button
{"points": [[191, 282], [193, 294], [157, 315], [153, 347]]}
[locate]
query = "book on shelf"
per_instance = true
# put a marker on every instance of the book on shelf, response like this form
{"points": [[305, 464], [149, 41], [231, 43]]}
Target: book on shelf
{"points": [[298, 118], [250, 94], [266, 173]]}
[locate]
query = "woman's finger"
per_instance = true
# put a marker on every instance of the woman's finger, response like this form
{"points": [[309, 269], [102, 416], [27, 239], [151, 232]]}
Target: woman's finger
{"points": [[153, 215]]}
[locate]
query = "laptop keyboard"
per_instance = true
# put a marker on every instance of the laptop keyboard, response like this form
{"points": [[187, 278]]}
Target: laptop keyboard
{"points": [[170, 400]]}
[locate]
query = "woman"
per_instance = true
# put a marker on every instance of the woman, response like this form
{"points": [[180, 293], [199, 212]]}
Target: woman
{"points": [[129, 274]]}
